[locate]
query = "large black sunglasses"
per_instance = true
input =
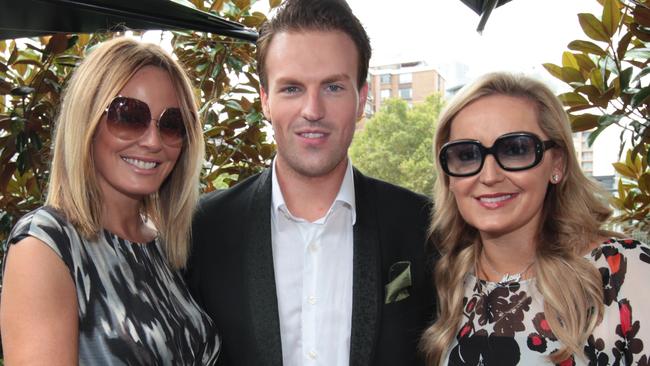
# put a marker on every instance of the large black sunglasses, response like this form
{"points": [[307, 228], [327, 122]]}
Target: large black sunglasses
{"points": [[129, 118], [512, 151]]}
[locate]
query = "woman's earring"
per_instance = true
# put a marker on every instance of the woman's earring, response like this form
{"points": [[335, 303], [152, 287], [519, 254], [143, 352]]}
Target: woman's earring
{"points": [[555, 178]]}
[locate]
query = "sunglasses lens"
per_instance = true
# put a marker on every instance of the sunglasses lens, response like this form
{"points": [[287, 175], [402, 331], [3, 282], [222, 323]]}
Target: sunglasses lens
{"points": [[172, 128], [127, 118], [517, 152], [463, 158]]}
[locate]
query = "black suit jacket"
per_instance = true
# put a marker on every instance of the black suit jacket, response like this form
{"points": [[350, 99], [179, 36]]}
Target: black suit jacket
{"points": [[230, 272]]}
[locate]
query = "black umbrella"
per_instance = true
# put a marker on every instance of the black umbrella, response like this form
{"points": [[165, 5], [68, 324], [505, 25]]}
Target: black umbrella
{"points": [[29, 18], [484, 9]]}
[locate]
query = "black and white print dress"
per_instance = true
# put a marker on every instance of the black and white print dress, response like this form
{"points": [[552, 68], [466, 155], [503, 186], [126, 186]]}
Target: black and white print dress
{"points": [[133, 308]]}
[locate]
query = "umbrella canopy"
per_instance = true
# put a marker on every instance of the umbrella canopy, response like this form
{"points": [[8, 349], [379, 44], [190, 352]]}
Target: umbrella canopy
{"points": [[484, 9], [29, 18]]}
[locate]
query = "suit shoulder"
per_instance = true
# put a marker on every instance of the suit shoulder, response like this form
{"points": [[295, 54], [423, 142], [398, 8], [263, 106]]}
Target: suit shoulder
{"points": [[223, 198]]}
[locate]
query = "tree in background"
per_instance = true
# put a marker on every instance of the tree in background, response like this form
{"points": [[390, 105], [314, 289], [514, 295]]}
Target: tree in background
{"points": [[396, 144], [223, 72], [610, 86]]}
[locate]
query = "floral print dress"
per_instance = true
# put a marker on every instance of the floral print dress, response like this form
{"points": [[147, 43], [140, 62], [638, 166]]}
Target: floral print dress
{"points": [[505, 325]]}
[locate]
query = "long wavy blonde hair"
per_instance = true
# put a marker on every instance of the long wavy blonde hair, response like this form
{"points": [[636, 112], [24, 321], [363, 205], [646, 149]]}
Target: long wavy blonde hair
{"points": [[573, 213], [73, 187]]}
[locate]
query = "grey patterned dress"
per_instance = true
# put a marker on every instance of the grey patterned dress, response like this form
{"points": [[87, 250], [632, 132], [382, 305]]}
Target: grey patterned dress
{"points": [[133, 308]]}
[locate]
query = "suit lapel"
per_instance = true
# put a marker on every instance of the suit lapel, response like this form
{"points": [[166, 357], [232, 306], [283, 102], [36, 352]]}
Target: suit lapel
{"points": [[263, 303], [367, 287]]}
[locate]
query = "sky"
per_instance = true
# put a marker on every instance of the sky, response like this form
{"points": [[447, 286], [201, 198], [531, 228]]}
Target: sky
{"points": [[519, 36]]}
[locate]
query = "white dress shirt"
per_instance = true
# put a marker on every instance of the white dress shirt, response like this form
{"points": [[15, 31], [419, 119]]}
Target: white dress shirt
{"points": [[313, 278]]}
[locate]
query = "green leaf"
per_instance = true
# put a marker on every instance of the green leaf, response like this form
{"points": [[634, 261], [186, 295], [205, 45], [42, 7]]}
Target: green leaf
{"points": [[594, 134], [638, 54], [611, 16], [596, 78], [571, 75], [584, 122], [553, 69], [643, 73], [624, 170], [589, 90], [274, 3], [572, 99], [585, 64], [587, 47], [640, 97], [593, 27], [568, 60]]}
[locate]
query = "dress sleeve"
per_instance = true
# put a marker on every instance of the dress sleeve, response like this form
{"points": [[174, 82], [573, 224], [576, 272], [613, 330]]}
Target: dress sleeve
{"points": [[48, 226], [626, 286]]}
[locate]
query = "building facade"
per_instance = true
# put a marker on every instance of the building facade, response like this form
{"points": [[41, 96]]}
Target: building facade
{"points": [[410, 81]]}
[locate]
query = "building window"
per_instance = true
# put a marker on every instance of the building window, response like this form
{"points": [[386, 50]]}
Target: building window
{"points": [[385, 94], [385, 79], [587, 156], [587, 166], [405, 78], [405, 93]]}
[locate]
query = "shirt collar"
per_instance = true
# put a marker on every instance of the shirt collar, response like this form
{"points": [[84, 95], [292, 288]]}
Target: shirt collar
{"points": [[345, 195]]}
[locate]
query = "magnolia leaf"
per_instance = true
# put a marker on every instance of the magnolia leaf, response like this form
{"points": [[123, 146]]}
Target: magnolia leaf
{"points": [[586, 47], [625, 77], [571, 75], [57, 44], [623, 45], [568, 60], [611, 16], [255, 20], [594, 134], [638, 54], [274, 3], [217, 6], [643, 73], [553, 69], [242, 4], [642, 34], [590, 91], [585, 64], [571, 99], [642, 15], [640, 97], [593, 27], [624, 170], [596, 78], [5, 87], [583, 122], [644, 182]]}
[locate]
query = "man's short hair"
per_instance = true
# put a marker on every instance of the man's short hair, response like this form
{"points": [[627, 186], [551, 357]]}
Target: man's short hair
{"points": [[319, 15]]}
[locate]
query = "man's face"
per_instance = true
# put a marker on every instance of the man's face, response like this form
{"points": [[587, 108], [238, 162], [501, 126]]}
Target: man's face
{"points": [[312, 100]]}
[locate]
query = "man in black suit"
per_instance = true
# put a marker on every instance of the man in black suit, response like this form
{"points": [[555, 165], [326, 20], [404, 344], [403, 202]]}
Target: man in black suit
{"points": [[311, 262]]}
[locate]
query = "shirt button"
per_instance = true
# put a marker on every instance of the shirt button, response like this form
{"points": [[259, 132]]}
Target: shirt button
{"points": [[313, 248], [311, 300], [312, 354]]}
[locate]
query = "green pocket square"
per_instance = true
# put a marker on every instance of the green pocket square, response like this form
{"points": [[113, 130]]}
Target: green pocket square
{"points": [[399, 275]]}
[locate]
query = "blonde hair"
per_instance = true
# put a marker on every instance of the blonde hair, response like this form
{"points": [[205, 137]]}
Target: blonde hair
{"points": [[573, 213], [73, 187]]}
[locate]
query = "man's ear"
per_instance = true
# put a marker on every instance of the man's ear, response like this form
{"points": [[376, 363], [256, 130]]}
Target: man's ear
{"points": [[363, 98], [265, 103]]}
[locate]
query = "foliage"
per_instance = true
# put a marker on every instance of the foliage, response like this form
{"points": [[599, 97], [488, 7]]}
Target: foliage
{"points": [[395, 144], [608, 75], [222, 69]]}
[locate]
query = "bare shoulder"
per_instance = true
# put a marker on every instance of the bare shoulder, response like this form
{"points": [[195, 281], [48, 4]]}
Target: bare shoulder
{"points": [[38, 307]]}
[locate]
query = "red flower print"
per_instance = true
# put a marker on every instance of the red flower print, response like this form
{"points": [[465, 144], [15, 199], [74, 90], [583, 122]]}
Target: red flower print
{"points": [[567, 362], [464, 331], [614, 262], [626, 318]]}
